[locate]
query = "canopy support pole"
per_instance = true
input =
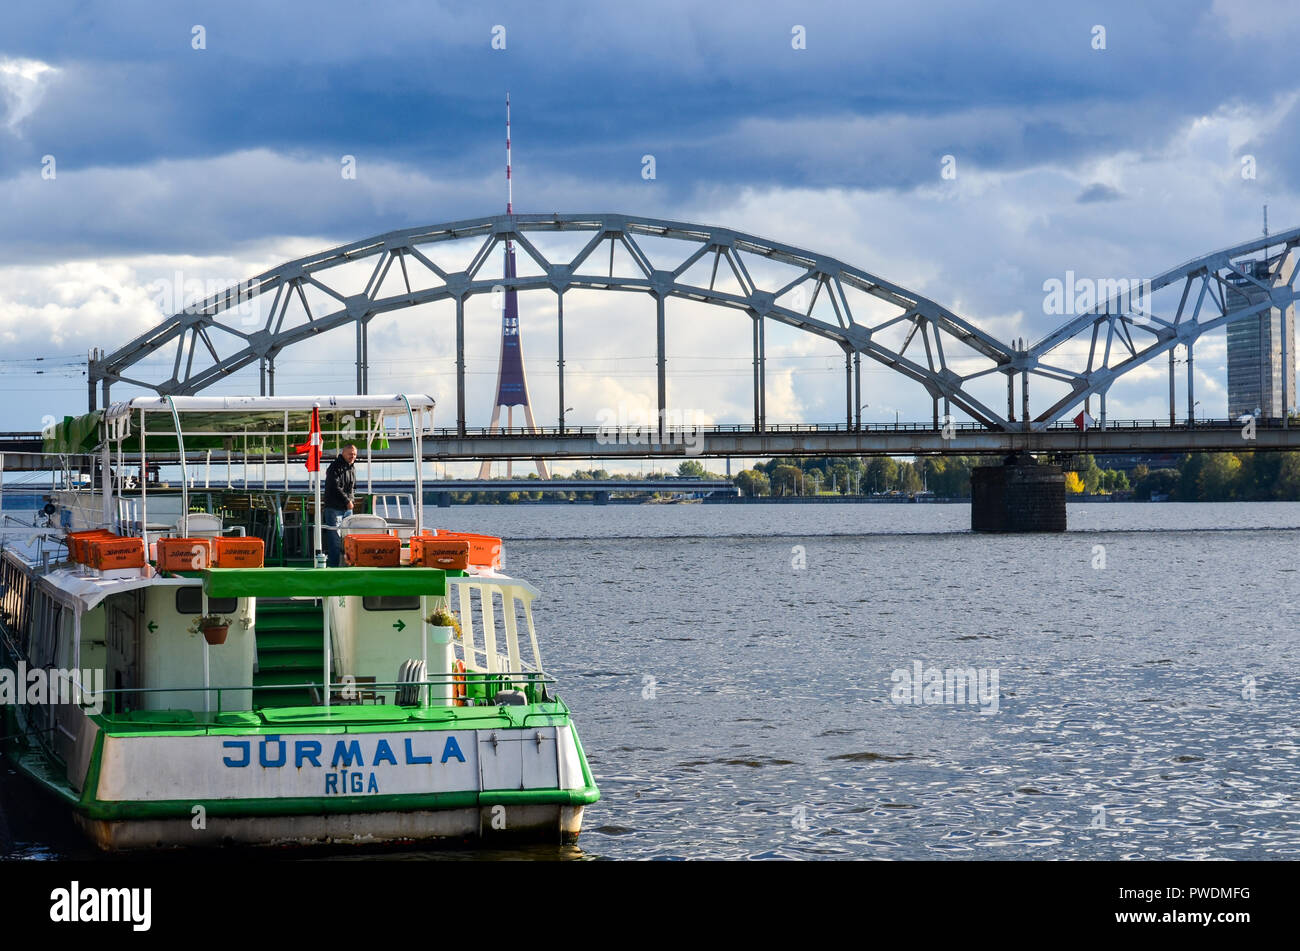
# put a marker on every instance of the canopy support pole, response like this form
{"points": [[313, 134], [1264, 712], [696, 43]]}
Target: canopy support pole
{"points": [[144, 486], [185, 494], [325, 628], [417, 455], [207, 666]]}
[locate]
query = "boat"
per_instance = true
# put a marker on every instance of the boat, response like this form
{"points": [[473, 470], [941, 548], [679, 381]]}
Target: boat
{"points": [[179, 669]]}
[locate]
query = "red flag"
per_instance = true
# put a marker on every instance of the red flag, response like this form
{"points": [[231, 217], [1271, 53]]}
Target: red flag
{"points": [[312, 447], [1084, 421]]}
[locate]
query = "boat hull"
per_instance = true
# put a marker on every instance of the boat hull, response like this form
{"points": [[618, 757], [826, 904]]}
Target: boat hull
{"points": [[137, 808], [522, 824]]}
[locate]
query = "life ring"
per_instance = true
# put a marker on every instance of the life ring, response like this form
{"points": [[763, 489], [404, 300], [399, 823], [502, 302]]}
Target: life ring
{"points": [[458, 682]]}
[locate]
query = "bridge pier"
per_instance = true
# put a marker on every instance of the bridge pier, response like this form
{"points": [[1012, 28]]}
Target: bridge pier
{"points": [[1018, 496], [600, 498], [443, 499]]}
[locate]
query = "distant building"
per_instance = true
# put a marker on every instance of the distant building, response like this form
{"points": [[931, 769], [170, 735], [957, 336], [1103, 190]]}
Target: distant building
{"points": [[1256, 375]]}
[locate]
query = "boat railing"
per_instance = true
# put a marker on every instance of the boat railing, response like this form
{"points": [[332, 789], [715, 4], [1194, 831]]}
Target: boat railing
{"points": [[15, 593], [476, 688], [128, 516], [478, 657], [394, 506]]}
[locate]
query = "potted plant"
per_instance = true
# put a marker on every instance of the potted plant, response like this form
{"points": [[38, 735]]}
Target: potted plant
{"points": [[444, 618], [213, 627], [443, 628]]}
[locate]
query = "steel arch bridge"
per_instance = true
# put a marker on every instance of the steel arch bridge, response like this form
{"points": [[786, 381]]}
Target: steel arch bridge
{"points": [[863, 314]]}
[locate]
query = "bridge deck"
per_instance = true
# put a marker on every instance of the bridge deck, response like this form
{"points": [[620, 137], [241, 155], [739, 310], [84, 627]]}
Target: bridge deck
{"points": [[905, 439]]}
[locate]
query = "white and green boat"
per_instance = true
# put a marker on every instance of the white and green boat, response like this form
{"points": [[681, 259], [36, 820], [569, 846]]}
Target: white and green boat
{"points": [[334, 711]]}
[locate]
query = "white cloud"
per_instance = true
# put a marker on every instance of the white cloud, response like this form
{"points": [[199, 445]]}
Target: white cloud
{"points": [[22, 84], [981, 245]]}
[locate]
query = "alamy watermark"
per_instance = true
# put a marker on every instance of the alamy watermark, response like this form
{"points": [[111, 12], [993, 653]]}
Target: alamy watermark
{"points": [[229, 298], [78, 904], [947, 686], [633, 426], [1082, 295], [52, 685]]}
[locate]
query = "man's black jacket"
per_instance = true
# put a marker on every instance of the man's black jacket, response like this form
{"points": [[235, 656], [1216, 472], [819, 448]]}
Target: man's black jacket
{"points": [[340, 484]]}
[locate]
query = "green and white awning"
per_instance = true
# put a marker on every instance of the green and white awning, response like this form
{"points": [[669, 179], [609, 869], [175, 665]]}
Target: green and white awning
{"points": [[323, 582]]}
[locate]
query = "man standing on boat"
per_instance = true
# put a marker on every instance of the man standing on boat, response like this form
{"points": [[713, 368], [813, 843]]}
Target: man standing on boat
{"points": [[339, 496]]}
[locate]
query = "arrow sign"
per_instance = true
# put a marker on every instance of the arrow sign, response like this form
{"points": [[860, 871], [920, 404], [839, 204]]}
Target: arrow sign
{"points": [[152, 627], [400, 625]]}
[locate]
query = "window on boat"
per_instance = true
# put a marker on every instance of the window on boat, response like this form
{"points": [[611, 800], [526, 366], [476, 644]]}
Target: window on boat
{"points": [[189, 600], [392, 602]]}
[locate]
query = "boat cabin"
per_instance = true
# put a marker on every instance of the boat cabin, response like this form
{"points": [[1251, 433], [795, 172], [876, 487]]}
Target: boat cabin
{"points": [[205, 601]]}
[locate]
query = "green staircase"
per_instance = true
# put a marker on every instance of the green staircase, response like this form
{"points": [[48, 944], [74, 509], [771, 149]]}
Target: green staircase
{"points": [[290, 650]]}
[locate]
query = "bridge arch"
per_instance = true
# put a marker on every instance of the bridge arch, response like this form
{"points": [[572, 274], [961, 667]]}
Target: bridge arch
{"points": [[936, 341]]}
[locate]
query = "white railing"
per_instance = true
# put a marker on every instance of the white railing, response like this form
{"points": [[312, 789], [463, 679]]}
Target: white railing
{"points": [[474, 598], [401, 507]]}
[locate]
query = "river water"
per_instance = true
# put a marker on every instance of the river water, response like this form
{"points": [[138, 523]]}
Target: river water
{"points": [[737, 677]]}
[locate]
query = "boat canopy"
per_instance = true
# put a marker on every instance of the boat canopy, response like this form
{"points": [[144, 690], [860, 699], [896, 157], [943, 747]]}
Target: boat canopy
{"points": [[322, 582], [267, 426], [214, 416], [74, 435], [239, 414], [84, 592]]}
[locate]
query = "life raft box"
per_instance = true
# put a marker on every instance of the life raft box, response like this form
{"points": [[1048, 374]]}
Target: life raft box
{"points": [[372, 551], [185, 554], [77, 550], [484, 550], [434, 551], [111, 553], [239, 552]]}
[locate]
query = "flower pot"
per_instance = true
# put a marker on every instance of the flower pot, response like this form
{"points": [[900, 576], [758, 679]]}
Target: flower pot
{"points": [[216, 635]]}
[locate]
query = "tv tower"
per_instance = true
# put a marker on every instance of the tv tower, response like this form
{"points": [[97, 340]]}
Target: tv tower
{"points": [[512, 381]]}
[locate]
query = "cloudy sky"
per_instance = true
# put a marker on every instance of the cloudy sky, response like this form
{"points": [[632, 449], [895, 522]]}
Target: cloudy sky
{"points": [[129, 158]]}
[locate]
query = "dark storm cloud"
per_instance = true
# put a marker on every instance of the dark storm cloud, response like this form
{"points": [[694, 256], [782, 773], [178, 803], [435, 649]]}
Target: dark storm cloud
{"points": [[715, 92]]}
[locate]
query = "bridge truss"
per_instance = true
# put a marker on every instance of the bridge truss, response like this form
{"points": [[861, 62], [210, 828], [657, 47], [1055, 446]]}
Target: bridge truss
{"points": [[861, 313]]}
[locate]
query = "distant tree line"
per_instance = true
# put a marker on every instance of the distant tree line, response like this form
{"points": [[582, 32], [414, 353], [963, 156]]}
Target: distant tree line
{"points": [[1199, 477], [859, 475], [1224, 477], [690, 469]]}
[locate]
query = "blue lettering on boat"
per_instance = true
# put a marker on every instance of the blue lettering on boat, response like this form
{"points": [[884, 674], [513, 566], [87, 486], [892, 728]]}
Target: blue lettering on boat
{"points": [[344, 783], [243, 746], [452, 748], [306, 751], [412, 759], [347, 754], [281, 752], [384, 752], [273, 752]]}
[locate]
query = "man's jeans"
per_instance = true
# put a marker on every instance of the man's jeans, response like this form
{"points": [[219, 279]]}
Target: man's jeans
{"points": [[333, 545]]}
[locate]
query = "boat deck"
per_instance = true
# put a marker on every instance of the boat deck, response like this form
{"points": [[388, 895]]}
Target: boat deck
{"points": [[343, 719]]}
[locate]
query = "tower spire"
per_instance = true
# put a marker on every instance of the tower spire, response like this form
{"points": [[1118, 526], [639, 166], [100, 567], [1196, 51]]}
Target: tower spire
{"points": [[512, 381], [510, 185]]}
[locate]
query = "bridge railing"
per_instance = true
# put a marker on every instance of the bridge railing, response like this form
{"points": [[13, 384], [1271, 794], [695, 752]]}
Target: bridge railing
{"points": [[747, 429], [900, 427]]}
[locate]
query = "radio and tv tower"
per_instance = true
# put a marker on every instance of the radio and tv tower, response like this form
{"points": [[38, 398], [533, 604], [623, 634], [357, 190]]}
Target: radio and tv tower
{"points": [[512, 381]]}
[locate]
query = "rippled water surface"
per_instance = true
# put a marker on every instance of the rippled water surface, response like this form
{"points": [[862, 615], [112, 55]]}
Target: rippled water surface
{"points": [[734, 705]]}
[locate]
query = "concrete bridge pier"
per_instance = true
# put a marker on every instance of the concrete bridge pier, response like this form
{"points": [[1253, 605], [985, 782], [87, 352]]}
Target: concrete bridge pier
{"points": [[1018, 496], [443, 499], [600, 498]]}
